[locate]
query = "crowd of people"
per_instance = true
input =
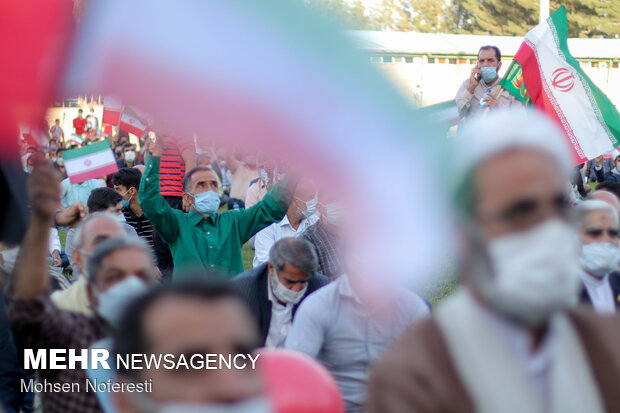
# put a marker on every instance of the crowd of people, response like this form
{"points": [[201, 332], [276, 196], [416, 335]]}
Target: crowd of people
{"points": [[153, 263]]}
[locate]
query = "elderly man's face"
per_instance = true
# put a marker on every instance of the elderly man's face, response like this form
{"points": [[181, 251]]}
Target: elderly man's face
{"points": [[599, 226], [517, 190], [124, 263], [291, 277], [181, 325]]}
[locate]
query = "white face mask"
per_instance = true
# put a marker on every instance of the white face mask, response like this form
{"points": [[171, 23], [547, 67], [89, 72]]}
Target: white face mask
{"points": [[535, 272], [284, 294], [600, 258], [113, 302], [258, 404], [333, 214], [130, 156]]}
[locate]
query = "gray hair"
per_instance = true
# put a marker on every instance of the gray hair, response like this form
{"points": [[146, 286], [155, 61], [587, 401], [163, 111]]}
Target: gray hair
{"points": [[583, 209], [78, 240], [111, 245], [296, 252]]}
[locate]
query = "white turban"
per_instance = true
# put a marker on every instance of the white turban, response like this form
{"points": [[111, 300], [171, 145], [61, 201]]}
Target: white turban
{"points": [[503, 129]]}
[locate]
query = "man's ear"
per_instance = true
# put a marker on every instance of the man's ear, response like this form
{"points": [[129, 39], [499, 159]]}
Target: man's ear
{"points": [[499, 66], [269, 268]]}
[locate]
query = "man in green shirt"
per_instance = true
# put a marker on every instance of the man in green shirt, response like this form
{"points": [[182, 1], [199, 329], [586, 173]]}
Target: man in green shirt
{"points": [[203, 238]]}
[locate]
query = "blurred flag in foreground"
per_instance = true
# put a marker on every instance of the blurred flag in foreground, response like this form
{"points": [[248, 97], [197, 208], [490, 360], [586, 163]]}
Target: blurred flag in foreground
{"points": [[545, 72], [277, 77], [89, 162]]}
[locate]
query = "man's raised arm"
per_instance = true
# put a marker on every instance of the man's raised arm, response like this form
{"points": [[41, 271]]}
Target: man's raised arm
{"points": [[31, 273]]}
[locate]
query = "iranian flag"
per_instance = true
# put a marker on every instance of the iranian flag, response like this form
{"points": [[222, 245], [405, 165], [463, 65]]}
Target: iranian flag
{"points": [[112, 108], [545, 74], [76, 139], [132, 122], [90, 162]]}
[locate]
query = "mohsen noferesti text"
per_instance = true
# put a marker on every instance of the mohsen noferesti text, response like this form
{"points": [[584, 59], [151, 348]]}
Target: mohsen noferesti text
{"points": [[91, 385]]}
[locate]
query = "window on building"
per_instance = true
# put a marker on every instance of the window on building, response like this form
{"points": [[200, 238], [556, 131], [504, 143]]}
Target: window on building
{"points": [[387, 59]]}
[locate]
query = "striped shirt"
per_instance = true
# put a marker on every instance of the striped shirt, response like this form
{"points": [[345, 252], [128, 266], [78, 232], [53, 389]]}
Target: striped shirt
{"points": [[172, 168], [141, 224]]}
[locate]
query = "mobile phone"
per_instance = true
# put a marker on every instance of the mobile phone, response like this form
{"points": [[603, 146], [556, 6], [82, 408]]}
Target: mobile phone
{"points": [[152, 136]]}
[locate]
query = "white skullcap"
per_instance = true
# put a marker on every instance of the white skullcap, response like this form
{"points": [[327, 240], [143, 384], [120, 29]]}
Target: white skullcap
{"points": [[503, 129]]}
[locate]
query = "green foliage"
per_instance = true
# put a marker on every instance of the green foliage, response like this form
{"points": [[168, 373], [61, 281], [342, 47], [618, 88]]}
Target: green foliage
{"points": [[586, 18]]}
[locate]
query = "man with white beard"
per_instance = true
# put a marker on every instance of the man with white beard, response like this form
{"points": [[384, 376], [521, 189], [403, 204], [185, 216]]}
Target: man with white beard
{"points": [[510, 341], [598, 234]]}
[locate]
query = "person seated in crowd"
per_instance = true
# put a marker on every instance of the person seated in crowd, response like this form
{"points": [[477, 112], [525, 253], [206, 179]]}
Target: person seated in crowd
{"points": [[71, 193], [203, 237], [100, 200], [274, 290], [484, 76], [186, 318], [126, 183], [607, 164], [300, 215], [613, 175], [598, 226], [39, 324], [511, 340], [92, 231], [609, 186], [326, 236], [348, 324]]}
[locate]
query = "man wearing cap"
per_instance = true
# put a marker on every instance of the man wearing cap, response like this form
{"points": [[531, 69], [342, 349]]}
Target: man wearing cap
{"points": [[511, 340], [484, 76]]}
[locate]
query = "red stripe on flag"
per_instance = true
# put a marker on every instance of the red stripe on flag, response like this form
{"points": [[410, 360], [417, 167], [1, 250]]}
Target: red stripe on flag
{"points": [[93, 173], [534, 84], [131, 129]]}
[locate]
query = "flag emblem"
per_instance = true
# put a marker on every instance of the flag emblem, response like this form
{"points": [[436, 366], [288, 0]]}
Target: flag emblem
{"points": [[563, 80], [88, 162]]}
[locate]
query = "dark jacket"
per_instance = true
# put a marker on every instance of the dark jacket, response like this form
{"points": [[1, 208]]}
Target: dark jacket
{"points": [[252, 284], [614, 281], [608, 165], [611, 176]]}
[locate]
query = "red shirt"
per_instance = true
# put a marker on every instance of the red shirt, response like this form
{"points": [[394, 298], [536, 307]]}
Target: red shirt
{"points": [[79, 124], [172, 166]]}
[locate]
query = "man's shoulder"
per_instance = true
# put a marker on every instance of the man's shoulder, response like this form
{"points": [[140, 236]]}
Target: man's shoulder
{"points": [[250, 276], [317, 281]]}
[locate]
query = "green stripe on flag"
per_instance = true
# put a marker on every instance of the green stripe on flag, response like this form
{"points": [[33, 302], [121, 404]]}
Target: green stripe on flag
{"points": [[605, 110], [87, 150], [513, 83]]}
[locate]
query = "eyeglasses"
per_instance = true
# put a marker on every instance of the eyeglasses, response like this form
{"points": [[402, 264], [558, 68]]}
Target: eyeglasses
{"points": [[598, 232]]}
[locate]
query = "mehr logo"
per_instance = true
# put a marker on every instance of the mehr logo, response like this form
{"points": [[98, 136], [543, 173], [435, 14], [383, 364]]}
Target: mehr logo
{"points": [[563, 79]]}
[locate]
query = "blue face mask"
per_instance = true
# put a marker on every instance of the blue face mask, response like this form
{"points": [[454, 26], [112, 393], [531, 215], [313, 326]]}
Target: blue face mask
{"points": [[126, 203], [489, 73], [207, 203]]}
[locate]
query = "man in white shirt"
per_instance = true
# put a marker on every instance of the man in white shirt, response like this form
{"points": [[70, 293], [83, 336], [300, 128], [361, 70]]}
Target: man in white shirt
{"points": [[598, 233], [300, 215]]}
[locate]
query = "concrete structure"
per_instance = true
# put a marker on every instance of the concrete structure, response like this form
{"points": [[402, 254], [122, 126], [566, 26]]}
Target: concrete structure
{"points": [[428, 68]]}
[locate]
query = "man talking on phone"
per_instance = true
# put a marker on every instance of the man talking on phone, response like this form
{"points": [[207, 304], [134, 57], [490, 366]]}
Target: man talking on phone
{"points": [[482, 89]]}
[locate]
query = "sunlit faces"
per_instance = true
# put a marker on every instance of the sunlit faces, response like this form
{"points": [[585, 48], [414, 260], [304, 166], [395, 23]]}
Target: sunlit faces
{"points": [[599, 226], [122, 263], [291, 277], [517, 190], [182, 325]]}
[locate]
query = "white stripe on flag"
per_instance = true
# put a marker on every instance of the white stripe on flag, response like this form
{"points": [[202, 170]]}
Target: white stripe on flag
{"points": [[573, 106], [89, 162]]}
